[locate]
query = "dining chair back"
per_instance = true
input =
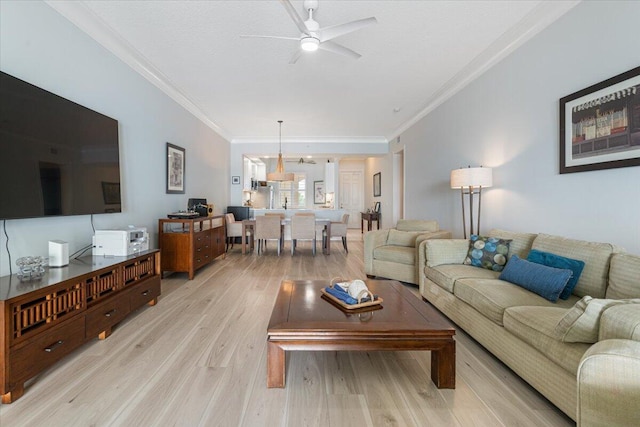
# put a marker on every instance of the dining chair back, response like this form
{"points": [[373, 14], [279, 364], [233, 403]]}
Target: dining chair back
{"points": [[303, 227], [339, 229], [268, 227]]}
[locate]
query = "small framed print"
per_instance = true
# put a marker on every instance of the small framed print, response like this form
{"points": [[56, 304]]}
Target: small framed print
{"points": [[376, 185], [235, 180], [319, 196], [175, 169]]}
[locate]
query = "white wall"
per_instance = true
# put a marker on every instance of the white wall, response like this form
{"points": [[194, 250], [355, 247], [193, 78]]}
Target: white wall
{"points": [[40, 46], [508, 119]]}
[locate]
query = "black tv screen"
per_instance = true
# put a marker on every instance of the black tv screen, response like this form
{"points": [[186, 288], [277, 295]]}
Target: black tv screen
{"points": [[56, 157]]}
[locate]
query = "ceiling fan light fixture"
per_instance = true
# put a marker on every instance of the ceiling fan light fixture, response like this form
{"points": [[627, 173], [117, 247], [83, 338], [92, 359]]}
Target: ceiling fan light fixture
{"points": [[309, 44]]}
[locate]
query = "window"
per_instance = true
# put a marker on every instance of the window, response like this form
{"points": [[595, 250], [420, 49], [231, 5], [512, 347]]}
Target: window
{"points": [[295, 192]]}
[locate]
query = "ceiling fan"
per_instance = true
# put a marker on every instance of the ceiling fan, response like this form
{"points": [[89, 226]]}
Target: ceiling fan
{"points": [[313, 37], [301, 161]]}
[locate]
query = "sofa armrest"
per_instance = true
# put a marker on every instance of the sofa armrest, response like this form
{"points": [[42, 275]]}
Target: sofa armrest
{"points": [[609, 384], [373, 239], [441, 234], [620, 322]]}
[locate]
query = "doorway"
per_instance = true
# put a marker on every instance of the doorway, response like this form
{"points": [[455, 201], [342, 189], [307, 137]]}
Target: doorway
{"points": [[351, 196]]}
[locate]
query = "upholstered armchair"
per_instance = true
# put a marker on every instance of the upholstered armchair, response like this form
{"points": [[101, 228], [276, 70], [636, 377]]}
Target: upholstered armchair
{"points": [[393, 253]]}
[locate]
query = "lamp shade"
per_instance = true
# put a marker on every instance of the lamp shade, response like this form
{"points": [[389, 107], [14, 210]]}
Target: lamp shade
{"points": [[472, 177]]}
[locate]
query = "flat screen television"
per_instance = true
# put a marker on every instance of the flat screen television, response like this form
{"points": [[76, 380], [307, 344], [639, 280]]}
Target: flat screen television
{"points": [[56, 157]]}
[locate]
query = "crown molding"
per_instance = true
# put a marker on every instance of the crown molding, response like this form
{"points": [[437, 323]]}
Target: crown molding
{"points": [[535, 21], [83, 18], [314, 140]]}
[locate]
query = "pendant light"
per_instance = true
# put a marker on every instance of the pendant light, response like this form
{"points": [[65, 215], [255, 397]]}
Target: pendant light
{"points": [[279, 174]]}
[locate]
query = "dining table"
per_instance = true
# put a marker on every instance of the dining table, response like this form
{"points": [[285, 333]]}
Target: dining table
{"points": [[249, 226]]}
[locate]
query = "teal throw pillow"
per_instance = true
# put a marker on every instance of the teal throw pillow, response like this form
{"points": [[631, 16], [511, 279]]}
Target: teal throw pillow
{"points": [[487, 252], [557, 261], [548, 282]]}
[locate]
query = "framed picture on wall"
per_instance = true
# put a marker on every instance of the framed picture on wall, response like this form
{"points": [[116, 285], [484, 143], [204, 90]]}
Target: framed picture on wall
{"points": [[376, 185], [175, 169], [600, 125], [235, 180], [319, 196]]}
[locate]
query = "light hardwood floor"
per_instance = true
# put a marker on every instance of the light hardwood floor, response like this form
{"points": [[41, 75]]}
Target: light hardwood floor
{"points": [[198, 358]]}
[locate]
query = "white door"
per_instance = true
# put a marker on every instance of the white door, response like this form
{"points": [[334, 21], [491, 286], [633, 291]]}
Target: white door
{"points": [[352, 196]]}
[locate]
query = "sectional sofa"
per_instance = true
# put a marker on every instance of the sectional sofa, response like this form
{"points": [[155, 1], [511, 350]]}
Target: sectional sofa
{"points": [[596, 380]]}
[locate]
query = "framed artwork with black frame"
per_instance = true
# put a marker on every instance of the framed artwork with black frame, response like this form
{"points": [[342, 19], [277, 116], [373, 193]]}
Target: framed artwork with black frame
{"points": [[175, 169], [600, 125], [376, 184]]}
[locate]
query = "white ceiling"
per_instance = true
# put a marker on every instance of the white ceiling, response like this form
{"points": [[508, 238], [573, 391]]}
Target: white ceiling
{"points": [[418, 54]]}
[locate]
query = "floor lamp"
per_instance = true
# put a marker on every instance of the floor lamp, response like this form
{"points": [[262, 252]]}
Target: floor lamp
{"points": [[471, 181]]}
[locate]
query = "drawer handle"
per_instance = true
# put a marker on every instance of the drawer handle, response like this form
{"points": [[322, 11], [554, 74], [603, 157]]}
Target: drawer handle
{"points": [[110, 313], [145, 293], [53, 346]]}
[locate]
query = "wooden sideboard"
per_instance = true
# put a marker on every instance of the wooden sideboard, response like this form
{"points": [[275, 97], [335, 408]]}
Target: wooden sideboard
{"points": [[44, 320], [188, 244]]}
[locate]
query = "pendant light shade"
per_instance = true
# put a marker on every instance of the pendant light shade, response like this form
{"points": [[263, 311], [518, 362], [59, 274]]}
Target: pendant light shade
{"points": [[280, 174]]}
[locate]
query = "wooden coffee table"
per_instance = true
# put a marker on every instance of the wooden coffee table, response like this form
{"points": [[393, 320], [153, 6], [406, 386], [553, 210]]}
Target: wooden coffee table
{"points": [[304, 320]]}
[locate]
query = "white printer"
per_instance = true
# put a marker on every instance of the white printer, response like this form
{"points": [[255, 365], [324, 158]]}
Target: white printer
{"points": [[120, 242]]}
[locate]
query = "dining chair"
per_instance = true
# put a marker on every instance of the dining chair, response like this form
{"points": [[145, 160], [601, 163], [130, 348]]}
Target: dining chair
{"points": [[282, 217], [339, 229], [268, 227], [234, 229], [303, 227]]}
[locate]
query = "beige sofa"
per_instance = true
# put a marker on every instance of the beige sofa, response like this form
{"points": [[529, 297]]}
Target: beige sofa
{"points": [[596, 384], [393, 253]]}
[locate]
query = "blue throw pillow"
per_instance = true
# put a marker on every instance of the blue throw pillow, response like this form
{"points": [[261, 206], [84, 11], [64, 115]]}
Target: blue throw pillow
{"points": [[548, 282], [557, 261]]}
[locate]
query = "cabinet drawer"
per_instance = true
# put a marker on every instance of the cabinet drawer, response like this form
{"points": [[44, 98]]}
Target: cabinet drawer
{"points": [[45, 349], [143, 293], [106, 315]]}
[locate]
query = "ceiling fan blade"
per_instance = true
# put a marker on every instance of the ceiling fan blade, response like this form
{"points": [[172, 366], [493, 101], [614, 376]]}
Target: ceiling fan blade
{"points": [[334, 31], [294, 15], [295, 56], [339, 49], [269, 37]]}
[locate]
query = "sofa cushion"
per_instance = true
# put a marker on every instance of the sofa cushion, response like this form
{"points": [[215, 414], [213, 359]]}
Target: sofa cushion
{"points": [[557, 261], [492, 296], [487, 252], [623, 276], [548, 282], [446, 275], [520, 242], [402, 238], [596, 257], [399, 254], [620, 322], [582, 322], [417, 225], [535, 326], [446, 251]]}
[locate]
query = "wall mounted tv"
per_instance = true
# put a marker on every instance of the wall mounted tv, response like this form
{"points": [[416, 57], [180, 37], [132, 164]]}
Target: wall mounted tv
{"points": [[56, 157]]}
